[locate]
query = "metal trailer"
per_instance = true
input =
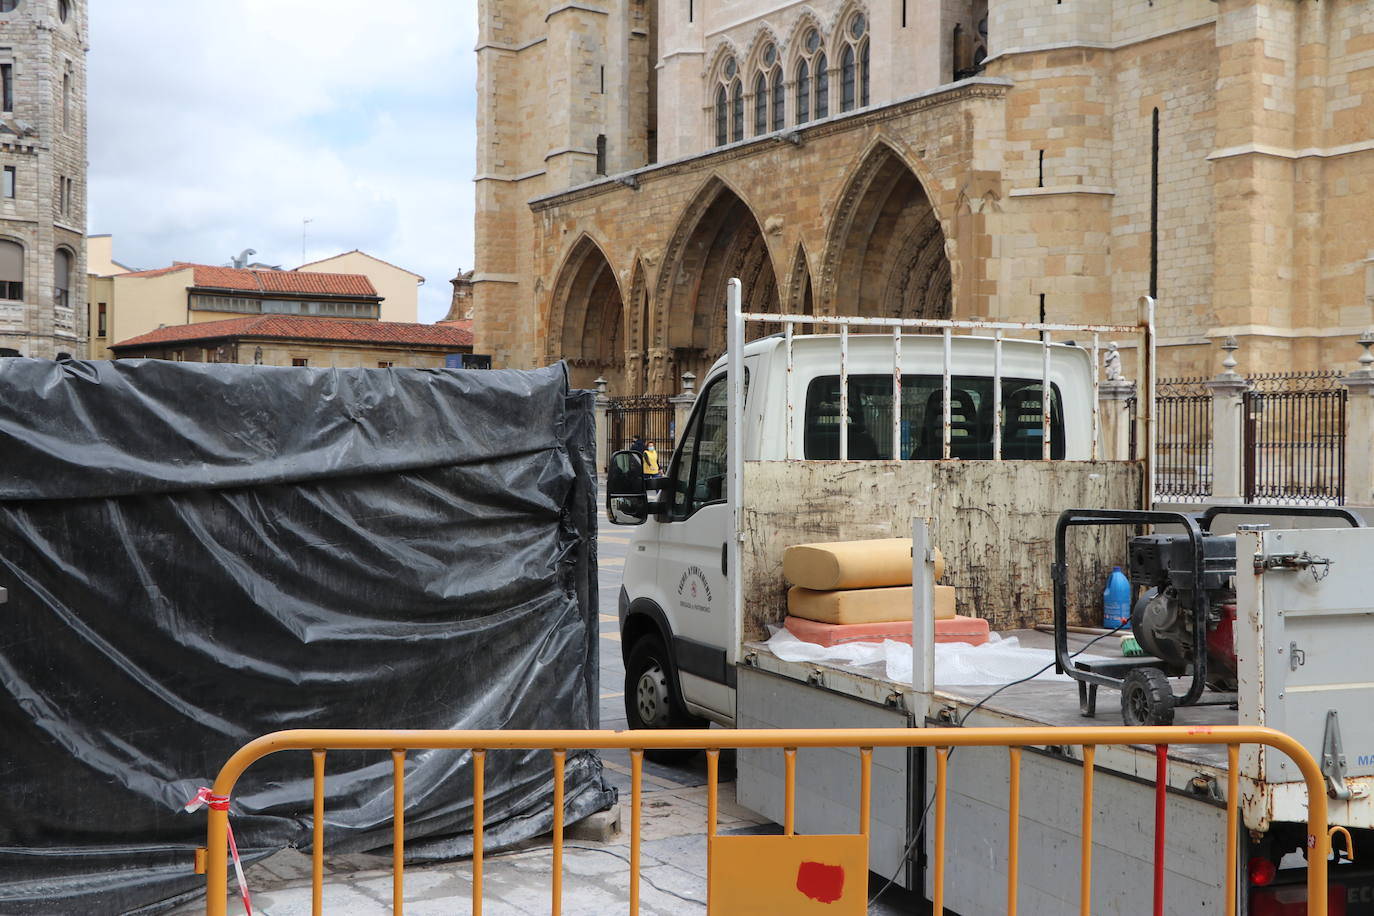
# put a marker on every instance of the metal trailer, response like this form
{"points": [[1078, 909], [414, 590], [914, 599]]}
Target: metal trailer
{"points": [[1303, 671]]}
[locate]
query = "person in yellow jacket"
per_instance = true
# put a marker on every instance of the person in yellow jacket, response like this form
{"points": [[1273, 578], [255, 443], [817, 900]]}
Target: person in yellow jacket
{"points": [[651, 461]]}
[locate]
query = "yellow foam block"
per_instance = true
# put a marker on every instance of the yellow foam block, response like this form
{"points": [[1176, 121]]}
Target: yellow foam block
{"points": [[863, 605], [852, 564]]}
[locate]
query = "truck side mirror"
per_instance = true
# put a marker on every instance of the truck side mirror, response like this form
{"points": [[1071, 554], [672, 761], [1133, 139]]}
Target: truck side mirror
{"points": [[627, 497]]}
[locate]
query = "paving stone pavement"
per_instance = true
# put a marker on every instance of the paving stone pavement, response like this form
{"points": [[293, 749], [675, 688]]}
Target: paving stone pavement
{"points": [[596, 876]]}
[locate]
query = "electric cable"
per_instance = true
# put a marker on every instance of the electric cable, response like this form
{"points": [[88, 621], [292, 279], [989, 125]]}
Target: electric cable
{"points": [[920, 825]]}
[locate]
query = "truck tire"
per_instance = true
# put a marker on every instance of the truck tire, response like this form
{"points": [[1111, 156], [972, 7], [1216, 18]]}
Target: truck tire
{"points": [[1147, 698], [651, 699]]}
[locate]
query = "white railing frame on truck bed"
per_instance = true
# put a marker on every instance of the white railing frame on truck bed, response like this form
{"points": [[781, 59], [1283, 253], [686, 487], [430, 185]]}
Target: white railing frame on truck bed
{"points": [[737, 318]]}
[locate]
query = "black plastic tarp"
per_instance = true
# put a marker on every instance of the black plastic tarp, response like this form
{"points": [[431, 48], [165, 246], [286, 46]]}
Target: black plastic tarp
{"points": [[200, 554]]}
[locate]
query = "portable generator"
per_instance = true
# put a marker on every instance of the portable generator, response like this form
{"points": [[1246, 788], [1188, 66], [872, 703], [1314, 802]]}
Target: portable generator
{"points": [[1183, 615]]}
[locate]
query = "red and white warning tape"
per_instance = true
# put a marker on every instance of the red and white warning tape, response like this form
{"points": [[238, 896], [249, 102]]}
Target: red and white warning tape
{"points": [[205, 797]]}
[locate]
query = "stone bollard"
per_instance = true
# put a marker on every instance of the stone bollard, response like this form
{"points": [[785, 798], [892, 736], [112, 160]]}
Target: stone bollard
{"points": [[1359, 428], [603, 426], [1228, 427]]}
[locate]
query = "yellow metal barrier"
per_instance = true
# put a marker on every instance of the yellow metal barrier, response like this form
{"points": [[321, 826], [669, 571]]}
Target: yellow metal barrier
{"points": [[318, 741]]}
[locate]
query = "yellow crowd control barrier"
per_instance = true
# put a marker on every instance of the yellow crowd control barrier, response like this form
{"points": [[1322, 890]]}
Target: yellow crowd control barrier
{"points": [[821, 884]]}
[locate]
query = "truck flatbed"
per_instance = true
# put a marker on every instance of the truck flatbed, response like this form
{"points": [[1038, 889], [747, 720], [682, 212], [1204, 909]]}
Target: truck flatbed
{"points": [[1034, 703]]}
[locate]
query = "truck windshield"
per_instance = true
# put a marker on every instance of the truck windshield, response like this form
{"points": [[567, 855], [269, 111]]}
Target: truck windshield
{"points": [[971, 418]]}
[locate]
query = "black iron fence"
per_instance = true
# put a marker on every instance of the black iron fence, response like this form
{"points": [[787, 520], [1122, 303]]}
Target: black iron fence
{"points": [[1183, 439], [648, 416], [1294, 450]]}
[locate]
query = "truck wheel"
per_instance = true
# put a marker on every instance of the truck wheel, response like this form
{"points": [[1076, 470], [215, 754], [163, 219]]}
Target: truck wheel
{"points": [[651, 701], [1147, 698]]}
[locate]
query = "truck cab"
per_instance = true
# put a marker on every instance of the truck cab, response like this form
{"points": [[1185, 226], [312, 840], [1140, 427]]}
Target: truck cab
{"points": [[678, 620]]}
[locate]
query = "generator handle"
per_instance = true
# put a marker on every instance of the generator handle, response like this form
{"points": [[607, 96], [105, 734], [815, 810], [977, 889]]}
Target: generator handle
{"points": [[1071, 518], [1345, 515]]}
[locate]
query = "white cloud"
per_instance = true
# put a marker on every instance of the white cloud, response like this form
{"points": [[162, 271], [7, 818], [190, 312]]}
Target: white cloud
{"points": [[217, 127]]}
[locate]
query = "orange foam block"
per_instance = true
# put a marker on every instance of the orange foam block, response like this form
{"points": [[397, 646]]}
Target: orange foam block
{"points": [[972, 630]]}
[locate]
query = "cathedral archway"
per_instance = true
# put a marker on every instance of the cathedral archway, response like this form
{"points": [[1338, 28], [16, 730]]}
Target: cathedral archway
{"points": [[885, 253], [717, 238], [586, 320]]}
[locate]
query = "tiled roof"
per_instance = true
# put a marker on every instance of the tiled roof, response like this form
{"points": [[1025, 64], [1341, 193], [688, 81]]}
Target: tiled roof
{"points": [[207, 276], [297, 327]]}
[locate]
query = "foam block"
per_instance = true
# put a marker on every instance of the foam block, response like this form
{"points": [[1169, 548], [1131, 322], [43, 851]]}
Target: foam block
{"points": [[972, 630], [864, 605], [877, 563]]}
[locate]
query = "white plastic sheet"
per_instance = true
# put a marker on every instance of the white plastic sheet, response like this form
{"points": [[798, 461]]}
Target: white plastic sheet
{"points": [[998, 661]]}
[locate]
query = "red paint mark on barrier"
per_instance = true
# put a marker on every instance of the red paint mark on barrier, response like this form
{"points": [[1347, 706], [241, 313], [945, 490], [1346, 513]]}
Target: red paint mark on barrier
{"points": [[824, 883]]}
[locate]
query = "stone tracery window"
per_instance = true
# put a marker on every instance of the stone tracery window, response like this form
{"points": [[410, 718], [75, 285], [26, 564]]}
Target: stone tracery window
{"points": [[729, 108], [813, 79], [854, 64], [770, 92]]}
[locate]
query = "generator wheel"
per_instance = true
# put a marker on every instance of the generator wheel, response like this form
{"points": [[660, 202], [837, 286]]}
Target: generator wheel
{"points": [[1147, 698]]}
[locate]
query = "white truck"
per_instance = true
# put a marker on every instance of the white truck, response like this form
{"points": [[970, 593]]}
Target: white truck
{"points": [[854, 435]]}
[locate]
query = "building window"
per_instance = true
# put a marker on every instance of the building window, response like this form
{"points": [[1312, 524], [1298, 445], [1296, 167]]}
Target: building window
{"points": [[62, 277], [8, 6], [737, 111], [854, 64], [101, 317], [729, 109], [8, 187], [779, 97], [7, 86], [385, 364], [11, 270], [66, 102], [813, 82], [722, 117], [64, 10], [760, 104], [601, 154], [299, 361]]}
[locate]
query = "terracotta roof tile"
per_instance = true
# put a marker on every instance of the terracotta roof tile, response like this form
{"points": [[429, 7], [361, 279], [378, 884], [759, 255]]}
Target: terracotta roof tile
{"points": [[297, 327], [208, 276]]}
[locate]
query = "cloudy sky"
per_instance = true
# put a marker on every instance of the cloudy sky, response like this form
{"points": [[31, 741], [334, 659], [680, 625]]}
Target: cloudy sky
{"points": [[216, 127]]}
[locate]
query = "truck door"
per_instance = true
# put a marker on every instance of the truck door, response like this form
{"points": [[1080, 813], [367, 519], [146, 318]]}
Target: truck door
{"points": [[692, 576]]}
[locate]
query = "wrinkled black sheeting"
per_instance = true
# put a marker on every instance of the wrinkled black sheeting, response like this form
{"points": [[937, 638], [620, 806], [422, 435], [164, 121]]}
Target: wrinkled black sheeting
{"points": [[197, 555]]}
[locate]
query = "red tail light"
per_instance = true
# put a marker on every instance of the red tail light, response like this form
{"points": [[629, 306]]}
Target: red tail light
{"points": [[1262, 871]]}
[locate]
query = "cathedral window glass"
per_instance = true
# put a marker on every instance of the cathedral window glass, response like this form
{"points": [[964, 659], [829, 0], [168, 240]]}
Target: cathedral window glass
{"points": [[760, 104], [803, 92], [722, 117], [822, 87], [737, 111], [779, 99]]}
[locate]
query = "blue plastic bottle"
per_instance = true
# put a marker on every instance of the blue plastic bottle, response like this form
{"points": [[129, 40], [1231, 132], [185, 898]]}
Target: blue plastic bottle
{"points": [[1116, 600]]}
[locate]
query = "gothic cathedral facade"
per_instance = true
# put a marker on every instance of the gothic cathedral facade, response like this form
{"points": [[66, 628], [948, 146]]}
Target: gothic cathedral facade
{"points": [[1018, 160]]}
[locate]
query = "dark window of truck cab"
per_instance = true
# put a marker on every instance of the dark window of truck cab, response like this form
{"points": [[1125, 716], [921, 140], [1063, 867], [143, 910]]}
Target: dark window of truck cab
{"points": [[922, 433], [700, 469]]}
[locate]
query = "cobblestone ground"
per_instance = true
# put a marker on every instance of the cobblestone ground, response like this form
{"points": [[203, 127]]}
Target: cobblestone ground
{"points": [[596, 874]]}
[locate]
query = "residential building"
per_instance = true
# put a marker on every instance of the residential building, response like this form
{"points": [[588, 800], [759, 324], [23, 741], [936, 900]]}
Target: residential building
{"points": [[43, 177], [296, 340], [129, 305], [398, 287], [997, 159]]}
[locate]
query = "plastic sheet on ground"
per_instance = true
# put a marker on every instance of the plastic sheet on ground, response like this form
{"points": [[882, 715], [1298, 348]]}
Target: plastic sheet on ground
{"points": [[996, 662], [199, 554]]}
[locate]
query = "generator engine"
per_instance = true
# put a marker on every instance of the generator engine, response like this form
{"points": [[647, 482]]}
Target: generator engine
{"points": [[1162, 620]]}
